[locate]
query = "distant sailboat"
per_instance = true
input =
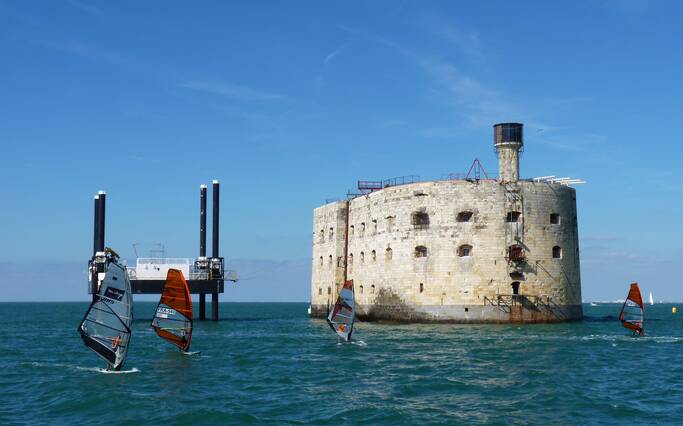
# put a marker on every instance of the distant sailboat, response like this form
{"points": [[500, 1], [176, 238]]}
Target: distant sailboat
{"points": [[173, 317], [631, 315], [652, 300], [105, 328], [341, 318]]}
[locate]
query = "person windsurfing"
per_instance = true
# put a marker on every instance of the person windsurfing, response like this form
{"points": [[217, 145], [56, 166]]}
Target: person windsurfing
{"points": [[632, 311], [342, 316]]}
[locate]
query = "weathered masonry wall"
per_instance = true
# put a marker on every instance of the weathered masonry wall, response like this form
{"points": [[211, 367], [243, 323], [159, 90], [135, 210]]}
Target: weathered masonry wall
{"points": [[440, 251]]}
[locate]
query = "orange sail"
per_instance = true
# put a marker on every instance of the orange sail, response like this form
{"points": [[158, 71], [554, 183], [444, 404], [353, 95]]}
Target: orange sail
{"points": [[173, 317], [631, 315]]}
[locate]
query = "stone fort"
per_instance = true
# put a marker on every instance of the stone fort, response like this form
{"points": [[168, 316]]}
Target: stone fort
{"points": [[456, 250]]}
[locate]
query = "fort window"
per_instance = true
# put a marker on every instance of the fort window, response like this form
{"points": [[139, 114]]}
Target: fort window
{"points": [[322, 235], [320, 291], [361, 289], [554, 218], [329, 291], [388, 253], [420, 251], [362, 257], [516, 253], [350, 258], [321, 261], [390, 223], [351, 229], [464, 217], [465, 250], [331, 234], [374, 226], [420, 220], [329, 261], [515, 288], [374, 255], [513, 217], [362, 228], [557, 252], [372, 288], [422, 287]]}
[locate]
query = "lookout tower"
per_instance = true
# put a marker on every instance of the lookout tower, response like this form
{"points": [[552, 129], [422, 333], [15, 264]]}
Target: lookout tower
{"points": [[508, 141]]}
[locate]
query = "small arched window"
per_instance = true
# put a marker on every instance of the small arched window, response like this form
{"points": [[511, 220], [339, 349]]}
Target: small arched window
{"points": [[554, 218], [361, 289], [374, 255], [329, 290], [372, 288], [350, 258], [331, 235], [390, 223], [557, 252], [388, 253], [420, 251], [322, 235], [420, 220], [422, 287], [464, 217], [351, 230], [321, 261], [320, 291], [362, 228], [329, 261], [362, 257], [374, 226], [465, 250], [513, 217]]}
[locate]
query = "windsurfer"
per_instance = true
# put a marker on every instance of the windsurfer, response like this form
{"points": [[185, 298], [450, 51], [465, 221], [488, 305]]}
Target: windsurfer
{"points": [[116, 342]]}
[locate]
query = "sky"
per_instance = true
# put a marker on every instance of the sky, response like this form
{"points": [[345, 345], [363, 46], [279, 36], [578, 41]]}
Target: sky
{"points": [[290, 103]]}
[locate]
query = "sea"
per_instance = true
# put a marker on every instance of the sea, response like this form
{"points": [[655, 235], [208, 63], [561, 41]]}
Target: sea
{"points": [[269, 363]]}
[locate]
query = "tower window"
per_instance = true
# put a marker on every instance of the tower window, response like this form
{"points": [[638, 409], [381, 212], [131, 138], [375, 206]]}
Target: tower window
{"points": [[388, 253], [372, 288], [557, 252], [329, 291], [322, 235], [420, 220], [362, 257], [362, 228], [390, 223], [465, 250], [331, 235], [320, 291], [329, 261], [464, 217], [374, 255], [513, 217], [321, 261], [350, 258], [374, 226], [361, 289], [554, 218], [422, 287], [351, 230], [420, 251]]}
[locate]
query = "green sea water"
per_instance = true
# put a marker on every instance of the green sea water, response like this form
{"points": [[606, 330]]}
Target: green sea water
{"points": [[271, 364]]}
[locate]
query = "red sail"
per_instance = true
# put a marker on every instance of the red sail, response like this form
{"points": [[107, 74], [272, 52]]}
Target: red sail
{"points": [[173, 317], [631, 315]]}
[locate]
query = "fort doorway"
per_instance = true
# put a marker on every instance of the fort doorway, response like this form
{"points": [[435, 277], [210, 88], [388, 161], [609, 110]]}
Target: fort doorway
{"points": [[515, 288]]}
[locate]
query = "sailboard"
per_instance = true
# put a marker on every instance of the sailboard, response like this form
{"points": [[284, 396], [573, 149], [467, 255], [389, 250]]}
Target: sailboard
{"points": [[652, 300], [173, 317], [105, 328], [342, 316], [631, 314]]}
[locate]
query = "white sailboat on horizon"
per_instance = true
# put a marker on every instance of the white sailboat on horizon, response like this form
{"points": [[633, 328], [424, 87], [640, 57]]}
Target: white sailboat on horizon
{"points": [[652, 301]]}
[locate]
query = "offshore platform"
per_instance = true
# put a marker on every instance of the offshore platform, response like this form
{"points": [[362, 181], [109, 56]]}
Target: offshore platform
{"points": [[205, 275]]}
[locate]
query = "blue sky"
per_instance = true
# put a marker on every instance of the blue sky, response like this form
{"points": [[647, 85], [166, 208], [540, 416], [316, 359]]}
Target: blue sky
{"points": [[289, 103]]}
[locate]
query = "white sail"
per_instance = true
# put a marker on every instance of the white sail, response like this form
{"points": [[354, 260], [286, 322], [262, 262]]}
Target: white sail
{"points": [[105, 328], [652, 300]]}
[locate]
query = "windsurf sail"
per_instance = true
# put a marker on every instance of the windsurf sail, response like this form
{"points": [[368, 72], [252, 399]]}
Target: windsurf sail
{"points": [[173, 318], [631, 315], [342, 315], [105, 328], [652, 300]]}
